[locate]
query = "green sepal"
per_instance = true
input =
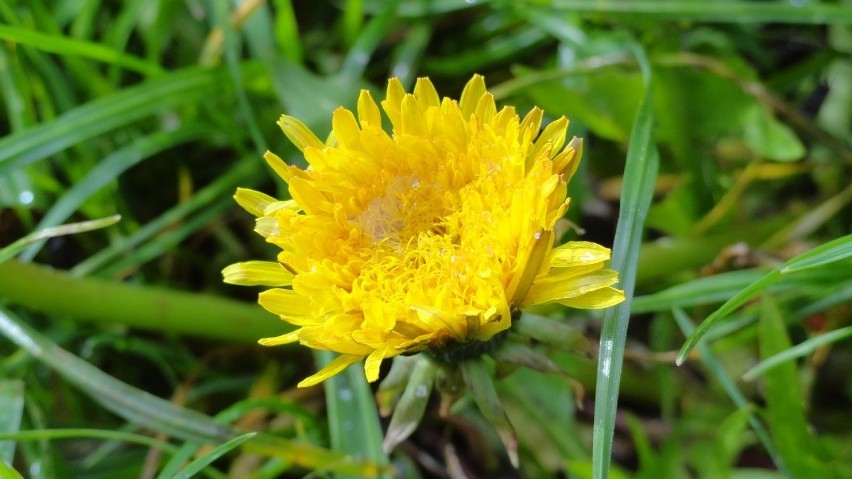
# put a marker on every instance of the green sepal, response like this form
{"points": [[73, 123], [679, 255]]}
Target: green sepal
{"points": [[481, 387], [411, 406]]}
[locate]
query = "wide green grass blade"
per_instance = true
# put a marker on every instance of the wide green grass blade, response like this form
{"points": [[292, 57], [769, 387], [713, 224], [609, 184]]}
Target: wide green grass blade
{"points": [[785, 412], [353, 418], [67, 46], [833, 251], [11, 410], [154, 309], [815, 13], [6, 472], [640, 174], [107, 171], [107, 113], [802, 349], [197, 465]]}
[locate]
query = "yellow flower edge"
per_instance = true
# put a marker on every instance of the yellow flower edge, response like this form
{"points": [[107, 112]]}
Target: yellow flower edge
{"points": [[434, 234]]}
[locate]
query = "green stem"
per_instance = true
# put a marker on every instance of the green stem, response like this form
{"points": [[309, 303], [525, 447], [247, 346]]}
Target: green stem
{"points": [[53, 292]]}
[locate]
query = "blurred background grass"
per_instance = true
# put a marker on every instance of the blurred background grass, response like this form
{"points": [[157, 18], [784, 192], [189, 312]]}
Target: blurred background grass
{"points": [[158, 110]]}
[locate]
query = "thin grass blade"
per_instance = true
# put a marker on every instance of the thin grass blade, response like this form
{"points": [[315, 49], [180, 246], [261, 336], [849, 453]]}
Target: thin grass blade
{"points": [[640, 174], [11, 410], [836, 250], [68, 46], [40, 235], [107, 171], [197, 465], [802, 349]]}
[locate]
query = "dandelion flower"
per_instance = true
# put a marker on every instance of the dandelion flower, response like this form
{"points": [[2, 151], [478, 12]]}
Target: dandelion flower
{"points": [[427, 238]]}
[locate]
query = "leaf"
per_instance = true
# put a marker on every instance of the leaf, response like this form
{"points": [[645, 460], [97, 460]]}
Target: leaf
{"points": [[770, 138]]}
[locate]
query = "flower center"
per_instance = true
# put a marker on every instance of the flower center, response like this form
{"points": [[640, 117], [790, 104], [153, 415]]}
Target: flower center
{"points": [[407, 208]]}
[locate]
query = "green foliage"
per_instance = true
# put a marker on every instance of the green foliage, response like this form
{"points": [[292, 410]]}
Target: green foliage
{"points": [[717, 156]]}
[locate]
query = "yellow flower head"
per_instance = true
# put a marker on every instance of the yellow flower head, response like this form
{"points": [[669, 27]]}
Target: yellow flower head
{"points": [[431, 236]]}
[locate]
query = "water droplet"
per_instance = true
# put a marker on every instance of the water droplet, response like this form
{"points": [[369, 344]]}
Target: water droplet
{"points": [[26, 197], [421, 391], [415, 183], [345, 394], [537, 235]]}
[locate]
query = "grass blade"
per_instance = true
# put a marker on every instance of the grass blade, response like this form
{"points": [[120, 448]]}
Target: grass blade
{"points": [[40, 235], [11, 410], [836, 250], [107, 113], [802, 349], [197, 465], [128, 402], [68, 46], [107, 171], [640, 173], [157, 309], [353, 418], [719, 12], [785, 412]]}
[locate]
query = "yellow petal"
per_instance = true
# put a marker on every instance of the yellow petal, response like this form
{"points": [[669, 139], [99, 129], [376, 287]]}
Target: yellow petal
{"points": [[598, 299], [486, 109], [568, 284], [532, 121], [288, 338], [568, 160], [345, 128], [471, 94], [425, 92], [552, 138], [337, 365], [578, 253], [308, 196], [373, 363], [298, 133], [412, 116], [285, 303], [368, 111], [257, 273], [538, 249], [278, 165], [253, 201], [392, 104]]}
